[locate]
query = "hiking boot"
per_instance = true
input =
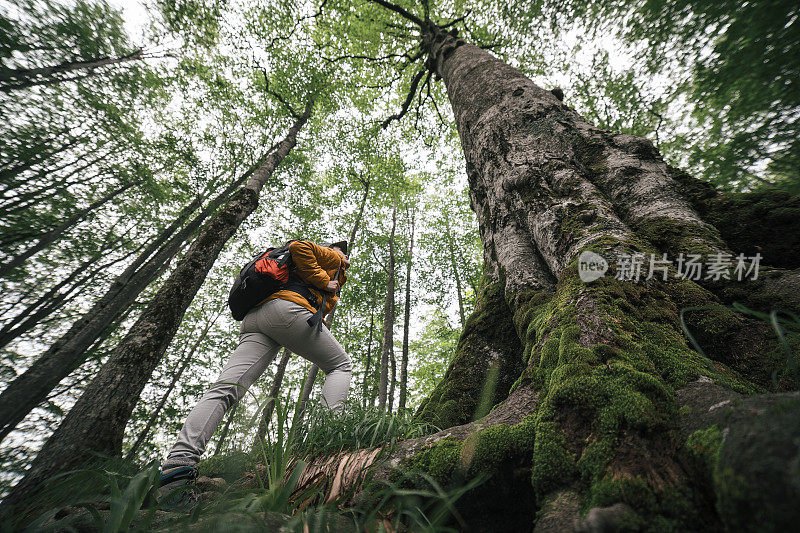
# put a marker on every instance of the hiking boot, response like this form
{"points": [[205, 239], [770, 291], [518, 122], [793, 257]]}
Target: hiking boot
{"points": [[176, 489]]}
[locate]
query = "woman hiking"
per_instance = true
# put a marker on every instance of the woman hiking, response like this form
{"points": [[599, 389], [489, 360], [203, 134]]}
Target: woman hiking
{"points": [[282, 320]]}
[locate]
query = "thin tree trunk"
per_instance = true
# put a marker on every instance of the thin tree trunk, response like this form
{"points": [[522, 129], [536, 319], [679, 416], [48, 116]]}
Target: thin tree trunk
{"points": [[96, 423], [225, 430], [29, 196], [50, 237], [305, 393], [37, 149], [15, 79], [392, 382], [388, 318], [406, 325], [274, 390], [456, 276], [176, 376], [369, 353], [7, 174], [51, 301]]}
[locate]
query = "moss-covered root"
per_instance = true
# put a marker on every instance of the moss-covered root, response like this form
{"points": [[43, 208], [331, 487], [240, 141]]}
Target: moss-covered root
{"points": [[606, 358], [488, 360]]}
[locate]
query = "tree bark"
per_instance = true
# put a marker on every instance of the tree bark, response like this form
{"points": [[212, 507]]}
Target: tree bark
{"points": [[388, 318], [97, 422], [364, 385], [546, 186], [401, 406], [176, 376], [15, 79]]}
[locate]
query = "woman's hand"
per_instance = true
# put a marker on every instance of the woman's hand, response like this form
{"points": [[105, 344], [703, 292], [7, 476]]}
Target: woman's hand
{"points": [[332, 286]]}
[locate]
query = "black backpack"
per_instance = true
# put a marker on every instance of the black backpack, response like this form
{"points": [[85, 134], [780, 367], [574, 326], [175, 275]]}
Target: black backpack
{"points": [[266, 274]]}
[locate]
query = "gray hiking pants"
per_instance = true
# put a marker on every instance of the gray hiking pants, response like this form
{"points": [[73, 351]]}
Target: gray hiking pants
{"points": [[264, 330]]}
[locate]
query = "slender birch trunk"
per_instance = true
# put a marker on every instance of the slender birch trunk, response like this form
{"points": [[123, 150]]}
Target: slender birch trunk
{"points": [[406, 325], [388, 319]]}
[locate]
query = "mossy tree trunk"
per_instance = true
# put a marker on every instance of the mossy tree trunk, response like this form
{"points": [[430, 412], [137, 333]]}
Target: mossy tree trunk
{"points": [[97, 422], [603, 358]]}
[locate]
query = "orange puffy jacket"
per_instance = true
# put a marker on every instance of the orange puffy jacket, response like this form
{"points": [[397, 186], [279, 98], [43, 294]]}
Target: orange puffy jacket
{"points": [[316, 265]]}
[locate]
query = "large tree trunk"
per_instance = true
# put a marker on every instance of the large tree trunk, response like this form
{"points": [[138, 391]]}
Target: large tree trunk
{"points": [[97, 422], [603, 357], [392, 381], [388, 319], [401, 406]]}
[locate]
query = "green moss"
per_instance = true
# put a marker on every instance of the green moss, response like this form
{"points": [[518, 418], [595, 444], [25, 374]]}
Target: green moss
{"points": [[703, 447], [605, 359], [439, 461], [622, 387], [734, 502], [765, 222], [667, 233], [671, 508], [482, 452], [553, 465]]}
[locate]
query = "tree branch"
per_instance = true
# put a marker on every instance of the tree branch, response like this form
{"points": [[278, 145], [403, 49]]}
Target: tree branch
{"points": [[400, 11], [409, 98], [278, 97]]}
